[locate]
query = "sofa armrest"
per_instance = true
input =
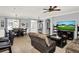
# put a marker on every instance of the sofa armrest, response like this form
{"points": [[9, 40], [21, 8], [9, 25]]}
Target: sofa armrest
{"points": [[4, 39], [51, 42], [51, 50], [52, 47]]}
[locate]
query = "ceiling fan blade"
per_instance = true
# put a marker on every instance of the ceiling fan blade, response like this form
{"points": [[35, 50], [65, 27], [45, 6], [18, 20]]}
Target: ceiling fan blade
{"points": [[56, 9], [45, 9]]}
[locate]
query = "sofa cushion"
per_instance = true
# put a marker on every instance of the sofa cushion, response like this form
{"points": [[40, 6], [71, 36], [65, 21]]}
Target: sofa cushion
{"points": [[33, 34], [42, 36]]}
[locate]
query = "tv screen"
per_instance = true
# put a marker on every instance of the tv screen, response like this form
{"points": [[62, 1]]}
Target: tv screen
{"points": [[66, 25]]}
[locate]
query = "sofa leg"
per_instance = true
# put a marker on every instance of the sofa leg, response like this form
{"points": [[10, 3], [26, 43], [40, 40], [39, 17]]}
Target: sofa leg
{"points": [[10, 50]]}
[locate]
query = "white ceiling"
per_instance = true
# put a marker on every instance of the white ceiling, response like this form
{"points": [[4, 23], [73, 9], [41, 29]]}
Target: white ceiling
{"points": [[35, 11]]}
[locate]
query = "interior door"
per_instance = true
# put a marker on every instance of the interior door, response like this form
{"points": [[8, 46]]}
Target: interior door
{"points": [[33, 26]]}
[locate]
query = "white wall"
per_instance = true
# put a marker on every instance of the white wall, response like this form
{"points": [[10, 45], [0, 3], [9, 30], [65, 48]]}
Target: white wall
{"points": [[44, 27], [74, 16]]}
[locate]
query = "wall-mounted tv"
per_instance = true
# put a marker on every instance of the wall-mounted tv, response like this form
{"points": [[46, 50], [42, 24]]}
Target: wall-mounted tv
{"points": [[66, 25]]}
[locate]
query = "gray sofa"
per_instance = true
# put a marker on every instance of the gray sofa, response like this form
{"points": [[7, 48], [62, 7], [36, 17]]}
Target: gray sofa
{"points": [[5, 44], [42, 43]]}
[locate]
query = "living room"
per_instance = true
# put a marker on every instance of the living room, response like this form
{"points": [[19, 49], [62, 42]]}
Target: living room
{"points": [[39, 29]]}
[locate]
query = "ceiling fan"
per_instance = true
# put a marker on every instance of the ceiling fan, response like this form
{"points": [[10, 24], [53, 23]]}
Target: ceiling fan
{"points": [[52, 9]]}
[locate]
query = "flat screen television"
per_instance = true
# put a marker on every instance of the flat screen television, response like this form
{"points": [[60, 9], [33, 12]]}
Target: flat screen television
{"points": [[66, 25]]}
